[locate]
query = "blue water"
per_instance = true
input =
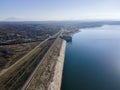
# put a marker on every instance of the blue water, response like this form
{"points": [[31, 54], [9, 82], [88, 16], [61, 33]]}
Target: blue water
{"points": [[92, 60]]}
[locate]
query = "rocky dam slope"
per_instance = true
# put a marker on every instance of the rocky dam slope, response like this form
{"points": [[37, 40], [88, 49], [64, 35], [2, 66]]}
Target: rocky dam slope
{"points": [[48, 74]]}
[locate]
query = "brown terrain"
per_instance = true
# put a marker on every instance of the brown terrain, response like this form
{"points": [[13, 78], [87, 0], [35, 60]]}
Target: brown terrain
{"points": [[17, 39], [9, 54]]}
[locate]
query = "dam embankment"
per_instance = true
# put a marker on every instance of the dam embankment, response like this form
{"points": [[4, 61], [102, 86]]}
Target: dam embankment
{"points": [[57, 79], [48, 74]]}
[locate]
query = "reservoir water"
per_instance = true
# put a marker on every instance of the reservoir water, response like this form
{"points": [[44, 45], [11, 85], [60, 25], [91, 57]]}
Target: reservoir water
{"points": [[92, 60]]}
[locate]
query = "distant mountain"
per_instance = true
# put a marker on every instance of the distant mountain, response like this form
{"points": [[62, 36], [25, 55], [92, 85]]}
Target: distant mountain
{"points": [[14, 19]]}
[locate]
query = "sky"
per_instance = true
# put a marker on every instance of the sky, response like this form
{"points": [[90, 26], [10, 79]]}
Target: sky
{"points": [[40, 10]]}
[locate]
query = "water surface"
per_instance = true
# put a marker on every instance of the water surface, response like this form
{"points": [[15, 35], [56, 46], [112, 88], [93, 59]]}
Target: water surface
{"points": [[92, 60]]}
